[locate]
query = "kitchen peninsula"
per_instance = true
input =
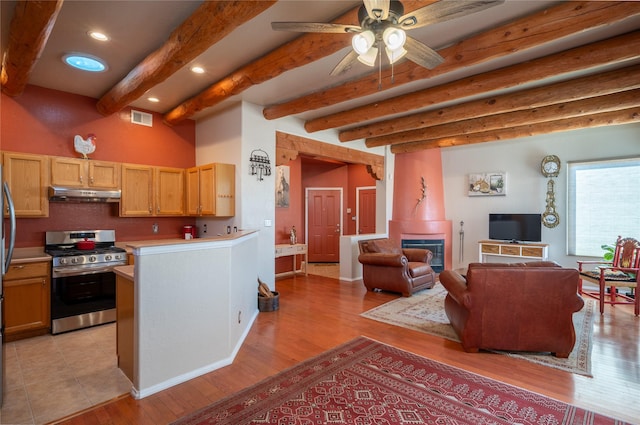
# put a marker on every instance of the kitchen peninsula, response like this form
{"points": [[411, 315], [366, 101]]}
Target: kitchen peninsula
{"points": [[193, 304]]}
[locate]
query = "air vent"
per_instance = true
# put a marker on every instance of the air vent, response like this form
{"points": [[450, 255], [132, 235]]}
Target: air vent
{"points": [[141, 118]]}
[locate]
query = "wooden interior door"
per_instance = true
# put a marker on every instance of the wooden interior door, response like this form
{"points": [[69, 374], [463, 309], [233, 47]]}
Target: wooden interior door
{"points": [[366, 211], [323, 225]]}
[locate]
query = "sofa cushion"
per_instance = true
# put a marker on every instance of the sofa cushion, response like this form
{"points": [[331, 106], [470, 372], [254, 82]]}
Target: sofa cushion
{"points": [[419, 269]]}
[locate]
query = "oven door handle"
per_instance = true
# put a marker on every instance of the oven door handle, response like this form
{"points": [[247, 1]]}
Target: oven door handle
{"points": [[78, 271]]}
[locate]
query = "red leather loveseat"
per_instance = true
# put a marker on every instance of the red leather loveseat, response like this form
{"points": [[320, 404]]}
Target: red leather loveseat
{"points": [[514, 307]]}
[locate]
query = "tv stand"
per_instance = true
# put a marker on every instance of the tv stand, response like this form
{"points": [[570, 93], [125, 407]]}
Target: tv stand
{"points": [[513, 249]]}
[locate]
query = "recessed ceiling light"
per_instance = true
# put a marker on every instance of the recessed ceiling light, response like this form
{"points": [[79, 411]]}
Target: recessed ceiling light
{"points": [[84, 62], [98, 36], [197, 69], [153, 99]]}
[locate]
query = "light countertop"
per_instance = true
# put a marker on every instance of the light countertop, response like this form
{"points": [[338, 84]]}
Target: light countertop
{"points": [[29, 255], [178, 241]]}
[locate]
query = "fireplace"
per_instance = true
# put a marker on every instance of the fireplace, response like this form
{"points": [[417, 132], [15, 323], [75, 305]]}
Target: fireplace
{"points": [[436, 246], [418, 206]]}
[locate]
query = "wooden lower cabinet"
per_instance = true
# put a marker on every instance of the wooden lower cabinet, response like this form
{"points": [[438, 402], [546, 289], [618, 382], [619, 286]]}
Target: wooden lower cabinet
{"points": [[27, 289], [124, 325]]}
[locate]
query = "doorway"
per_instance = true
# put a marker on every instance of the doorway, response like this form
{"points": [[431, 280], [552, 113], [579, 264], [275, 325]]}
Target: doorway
{"points": [[365, 210], [324, 224]]}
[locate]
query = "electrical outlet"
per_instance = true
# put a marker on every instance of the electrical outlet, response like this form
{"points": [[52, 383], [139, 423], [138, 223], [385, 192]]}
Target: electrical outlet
{"points": [[155, 228]]}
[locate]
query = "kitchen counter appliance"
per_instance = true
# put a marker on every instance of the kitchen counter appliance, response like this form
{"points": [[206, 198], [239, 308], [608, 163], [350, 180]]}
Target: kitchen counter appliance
{"points": [[83, 288], [5, 262]]}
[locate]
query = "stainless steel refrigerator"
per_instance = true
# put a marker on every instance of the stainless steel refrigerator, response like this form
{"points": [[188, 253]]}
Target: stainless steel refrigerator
{"points": [[6, 204]]}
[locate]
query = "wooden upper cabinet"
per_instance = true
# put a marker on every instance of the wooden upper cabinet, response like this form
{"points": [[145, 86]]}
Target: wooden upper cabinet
{"points": [[211, 190], [28, 179], [225, 189], [169, 191], [193, 191], [152, 191], [75, 172], [137, 191]]}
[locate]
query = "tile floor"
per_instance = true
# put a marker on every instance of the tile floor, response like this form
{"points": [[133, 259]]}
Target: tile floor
{"points": [[49, 377]]}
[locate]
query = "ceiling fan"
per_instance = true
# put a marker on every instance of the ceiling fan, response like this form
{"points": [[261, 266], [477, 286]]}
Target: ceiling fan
{"points": [[382, 27]]}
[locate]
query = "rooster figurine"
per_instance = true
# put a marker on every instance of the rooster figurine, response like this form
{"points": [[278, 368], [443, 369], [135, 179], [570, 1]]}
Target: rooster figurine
{"points": [[84, 147]]}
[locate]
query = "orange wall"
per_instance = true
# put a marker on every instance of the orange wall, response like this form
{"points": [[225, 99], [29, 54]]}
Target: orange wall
{"points": [[44, 121], [309, 173]]}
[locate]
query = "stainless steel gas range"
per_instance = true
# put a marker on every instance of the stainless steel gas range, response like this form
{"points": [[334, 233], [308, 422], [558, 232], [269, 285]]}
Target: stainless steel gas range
{"points": [[83, 289]]}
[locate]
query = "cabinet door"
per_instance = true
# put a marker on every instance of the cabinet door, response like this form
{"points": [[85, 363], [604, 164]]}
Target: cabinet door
{"points": [[137, 191], [193, 191], [207, 190], [26, 305], [225, 190], [28, 179], [69, 172], [169, 196], [104, 175]]}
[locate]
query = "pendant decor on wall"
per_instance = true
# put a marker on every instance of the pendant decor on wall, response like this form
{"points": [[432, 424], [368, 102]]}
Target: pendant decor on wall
{"points": [[259, 164], [550, 168]]}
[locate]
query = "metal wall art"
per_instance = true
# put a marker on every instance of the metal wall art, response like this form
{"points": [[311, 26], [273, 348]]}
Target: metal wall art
{"points": [[487, 184], [260, 164]]}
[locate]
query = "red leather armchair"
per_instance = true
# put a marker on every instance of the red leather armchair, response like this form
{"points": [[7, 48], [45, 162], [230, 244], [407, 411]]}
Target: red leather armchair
{"points": [[514, 307], [385, 266]]}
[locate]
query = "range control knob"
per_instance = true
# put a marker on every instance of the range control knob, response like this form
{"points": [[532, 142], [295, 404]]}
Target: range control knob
{"points": [[92, 259], [107, 257], [74, 260], [63, 261]]}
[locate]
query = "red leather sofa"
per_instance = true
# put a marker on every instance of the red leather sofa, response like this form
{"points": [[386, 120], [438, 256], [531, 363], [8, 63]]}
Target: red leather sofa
{"points": [[386, 266], [514, 307]]}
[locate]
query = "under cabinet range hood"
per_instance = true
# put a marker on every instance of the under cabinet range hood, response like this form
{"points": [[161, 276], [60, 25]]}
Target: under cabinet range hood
{"points": [[74, 194]]}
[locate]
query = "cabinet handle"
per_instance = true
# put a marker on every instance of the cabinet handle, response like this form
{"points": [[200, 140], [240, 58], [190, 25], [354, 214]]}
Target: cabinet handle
{"points": [[17, 267], [158, 208], [80, 179], [91, 179], [150, 209]]}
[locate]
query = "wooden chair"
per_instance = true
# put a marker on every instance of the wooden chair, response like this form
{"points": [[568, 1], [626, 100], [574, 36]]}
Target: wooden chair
{"points": [[622, 272]]}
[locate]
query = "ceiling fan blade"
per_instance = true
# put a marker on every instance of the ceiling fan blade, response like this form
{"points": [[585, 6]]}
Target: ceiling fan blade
{"points": [[377, 9], [345, 64], [444, 10], [315, 27], [422, 54]]}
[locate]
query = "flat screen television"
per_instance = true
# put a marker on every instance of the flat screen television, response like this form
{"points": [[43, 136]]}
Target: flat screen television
{"points": [[515, 227]]}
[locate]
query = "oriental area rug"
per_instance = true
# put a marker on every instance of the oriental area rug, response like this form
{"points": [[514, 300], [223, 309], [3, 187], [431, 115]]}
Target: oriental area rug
{"points": [[367, 382], [424, 312]]}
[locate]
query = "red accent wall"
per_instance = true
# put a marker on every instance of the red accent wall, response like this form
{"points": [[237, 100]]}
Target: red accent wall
{"points": [[44, 121], [304, 173]]}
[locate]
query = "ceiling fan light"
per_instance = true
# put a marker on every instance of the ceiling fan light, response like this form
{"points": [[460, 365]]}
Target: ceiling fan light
{"points": [[394, 38], [395, 55], [362, 42], [369, 58]]}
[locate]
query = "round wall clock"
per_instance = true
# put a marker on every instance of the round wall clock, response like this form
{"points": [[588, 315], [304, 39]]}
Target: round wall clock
{"points": [[550, 166]]}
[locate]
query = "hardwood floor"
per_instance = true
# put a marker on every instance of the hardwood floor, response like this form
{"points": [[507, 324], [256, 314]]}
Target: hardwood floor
{"points": [[318, 313]]}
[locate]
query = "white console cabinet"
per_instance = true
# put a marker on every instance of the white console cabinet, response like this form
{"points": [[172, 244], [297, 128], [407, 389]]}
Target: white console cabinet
{"points": [[528, 251]]}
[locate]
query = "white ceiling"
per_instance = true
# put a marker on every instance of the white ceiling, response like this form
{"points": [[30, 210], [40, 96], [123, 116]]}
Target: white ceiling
{"points": [[138, 28]]}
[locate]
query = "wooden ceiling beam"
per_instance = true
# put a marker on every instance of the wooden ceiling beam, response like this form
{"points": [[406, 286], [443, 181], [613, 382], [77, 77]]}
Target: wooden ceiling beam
{"points": [[29, 31], [583, 107], [525, 33], [210, 23], [303, 50], [616, 50], [625, 116], [289, 146]]}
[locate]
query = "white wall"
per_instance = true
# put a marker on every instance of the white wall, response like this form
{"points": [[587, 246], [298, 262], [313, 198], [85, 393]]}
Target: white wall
{"points": [[526, 187]]}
